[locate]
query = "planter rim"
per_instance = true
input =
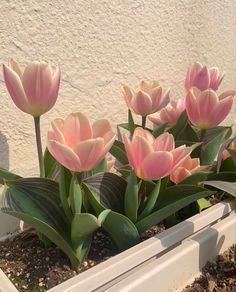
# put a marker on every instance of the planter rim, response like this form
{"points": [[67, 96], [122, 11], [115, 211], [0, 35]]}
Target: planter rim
{"points": [[115, 269]]}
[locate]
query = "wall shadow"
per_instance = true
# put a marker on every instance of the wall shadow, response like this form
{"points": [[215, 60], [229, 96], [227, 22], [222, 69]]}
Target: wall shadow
{"points": [[4, 151]]}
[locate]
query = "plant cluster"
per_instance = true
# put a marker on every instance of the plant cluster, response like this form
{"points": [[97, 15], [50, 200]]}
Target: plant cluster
{"points": [[153, 174]]}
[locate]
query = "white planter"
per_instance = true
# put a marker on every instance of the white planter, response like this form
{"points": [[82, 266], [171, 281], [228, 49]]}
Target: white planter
{"points": [[169, 260]]}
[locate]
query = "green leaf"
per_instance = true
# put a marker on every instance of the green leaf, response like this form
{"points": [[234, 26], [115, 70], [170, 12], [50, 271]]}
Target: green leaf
{"points": [[226, 186], [75, 195], [35, 201], [109, 190], [121, 229], [93, 199], [50, 165], [202, 204], [64, 190], [180, 125], [131, 197], [169, 209], [233, 155], [131, 123], [118, 151], [7, 175], [196, 178], [150, 202], [159, 130], [83, 225], [212, 143], [224, 176], [102, 167]]}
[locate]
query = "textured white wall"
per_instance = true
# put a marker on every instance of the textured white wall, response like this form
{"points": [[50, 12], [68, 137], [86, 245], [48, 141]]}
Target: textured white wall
{"points": [[101, 44]]}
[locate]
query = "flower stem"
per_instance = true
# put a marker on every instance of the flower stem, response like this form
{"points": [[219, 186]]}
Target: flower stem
{"points": [[39, 145], [144, 119], [202, 136]]}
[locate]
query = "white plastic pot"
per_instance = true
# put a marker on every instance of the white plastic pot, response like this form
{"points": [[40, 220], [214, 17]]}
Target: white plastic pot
{"points": [[165, 262]]}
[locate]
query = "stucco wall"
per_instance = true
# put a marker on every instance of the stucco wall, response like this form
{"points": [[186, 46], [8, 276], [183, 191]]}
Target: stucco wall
{"points": [[101, 44]]}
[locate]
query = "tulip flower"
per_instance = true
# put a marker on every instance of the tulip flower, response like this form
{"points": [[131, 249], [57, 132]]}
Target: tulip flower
{"points": [[187, 168], [76, 144], [226, 154], [207, 110], [151, 158], [148, 99], [33, 90], [170, 114], [203, 78]]}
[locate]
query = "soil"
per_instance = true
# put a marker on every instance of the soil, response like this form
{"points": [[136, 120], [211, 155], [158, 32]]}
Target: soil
{"points": [[32, 267], [217, 277]]}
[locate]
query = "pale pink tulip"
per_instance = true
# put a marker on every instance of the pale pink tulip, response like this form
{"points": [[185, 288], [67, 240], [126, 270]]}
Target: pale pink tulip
{"points": [[203, 78], [207, 110], [148, 99], [151, 158], [170, 114], [76, 144], [226, 154], [187, 168], [33, 90]]}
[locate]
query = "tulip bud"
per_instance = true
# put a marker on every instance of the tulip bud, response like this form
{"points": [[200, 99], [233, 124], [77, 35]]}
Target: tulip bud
{"points": [[33, 90]]}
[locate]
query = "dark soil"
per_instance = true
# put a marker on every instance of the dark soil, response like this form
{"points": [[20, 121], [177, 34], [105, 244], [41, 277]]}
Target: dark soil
{"points": [[217, 277], [32, 267]]}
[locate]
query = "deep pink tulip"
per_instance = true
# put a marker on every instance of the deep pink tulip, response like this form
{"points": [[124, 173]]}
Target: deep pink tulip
{"points": [[226, 154], [148, 99], [203, 78], [207, 110], [187, 168], [76, 144], [151, 158], [170, 114], [33, 90]]}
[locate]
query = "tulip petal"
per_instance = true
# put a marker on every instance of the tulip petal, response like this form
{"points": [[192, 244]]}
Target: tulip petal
{"points": [[207, 102], [53, 94], [100, 128], [202, 79], [128, 95], [142, 103], [192, 108], [15, 89], [179, 174], [155, 119], [37, 80], [157, 98], [156, 165], [128, 149], [90, 153], [64, 155], [192, 72], [164, 142], [15, 66], [145, 134], [55, 131], [76, 129], [221, 111], [109, 139], [179, 155]]}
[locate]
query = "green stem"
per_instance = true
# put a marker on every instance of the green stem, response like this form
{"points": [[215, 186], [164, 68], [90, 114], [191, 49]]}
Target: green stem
{"points": [[144, 119], [202, 136], [39, 145]]}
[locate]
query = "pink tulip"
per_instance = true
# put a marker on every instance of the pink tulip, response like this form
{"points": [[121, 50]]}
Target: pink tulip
{"points": [[187, 168], [226, 154], [33, 90], [151, 158], [202, 77], [76, 144], [148, 99], [207, 110], [170, 114]]}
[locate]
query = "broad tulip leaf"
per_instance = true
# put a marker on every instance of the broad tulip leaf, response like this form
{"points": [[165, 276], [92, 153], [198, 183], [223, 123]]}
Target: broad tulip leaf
{"points": [[75, 196], [108, 190], [180, 125], [131, 123], [196, 178], [131, 197], [7, 175], [170, 209], [35, 201], [212, 143], [51, 166], [233, 155], [121, 229], [150, 202], [118, 151], [202, 204], [64, 190], [223, 176], [101, 167], [226, 186], [159, 130], [226, 165]]}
